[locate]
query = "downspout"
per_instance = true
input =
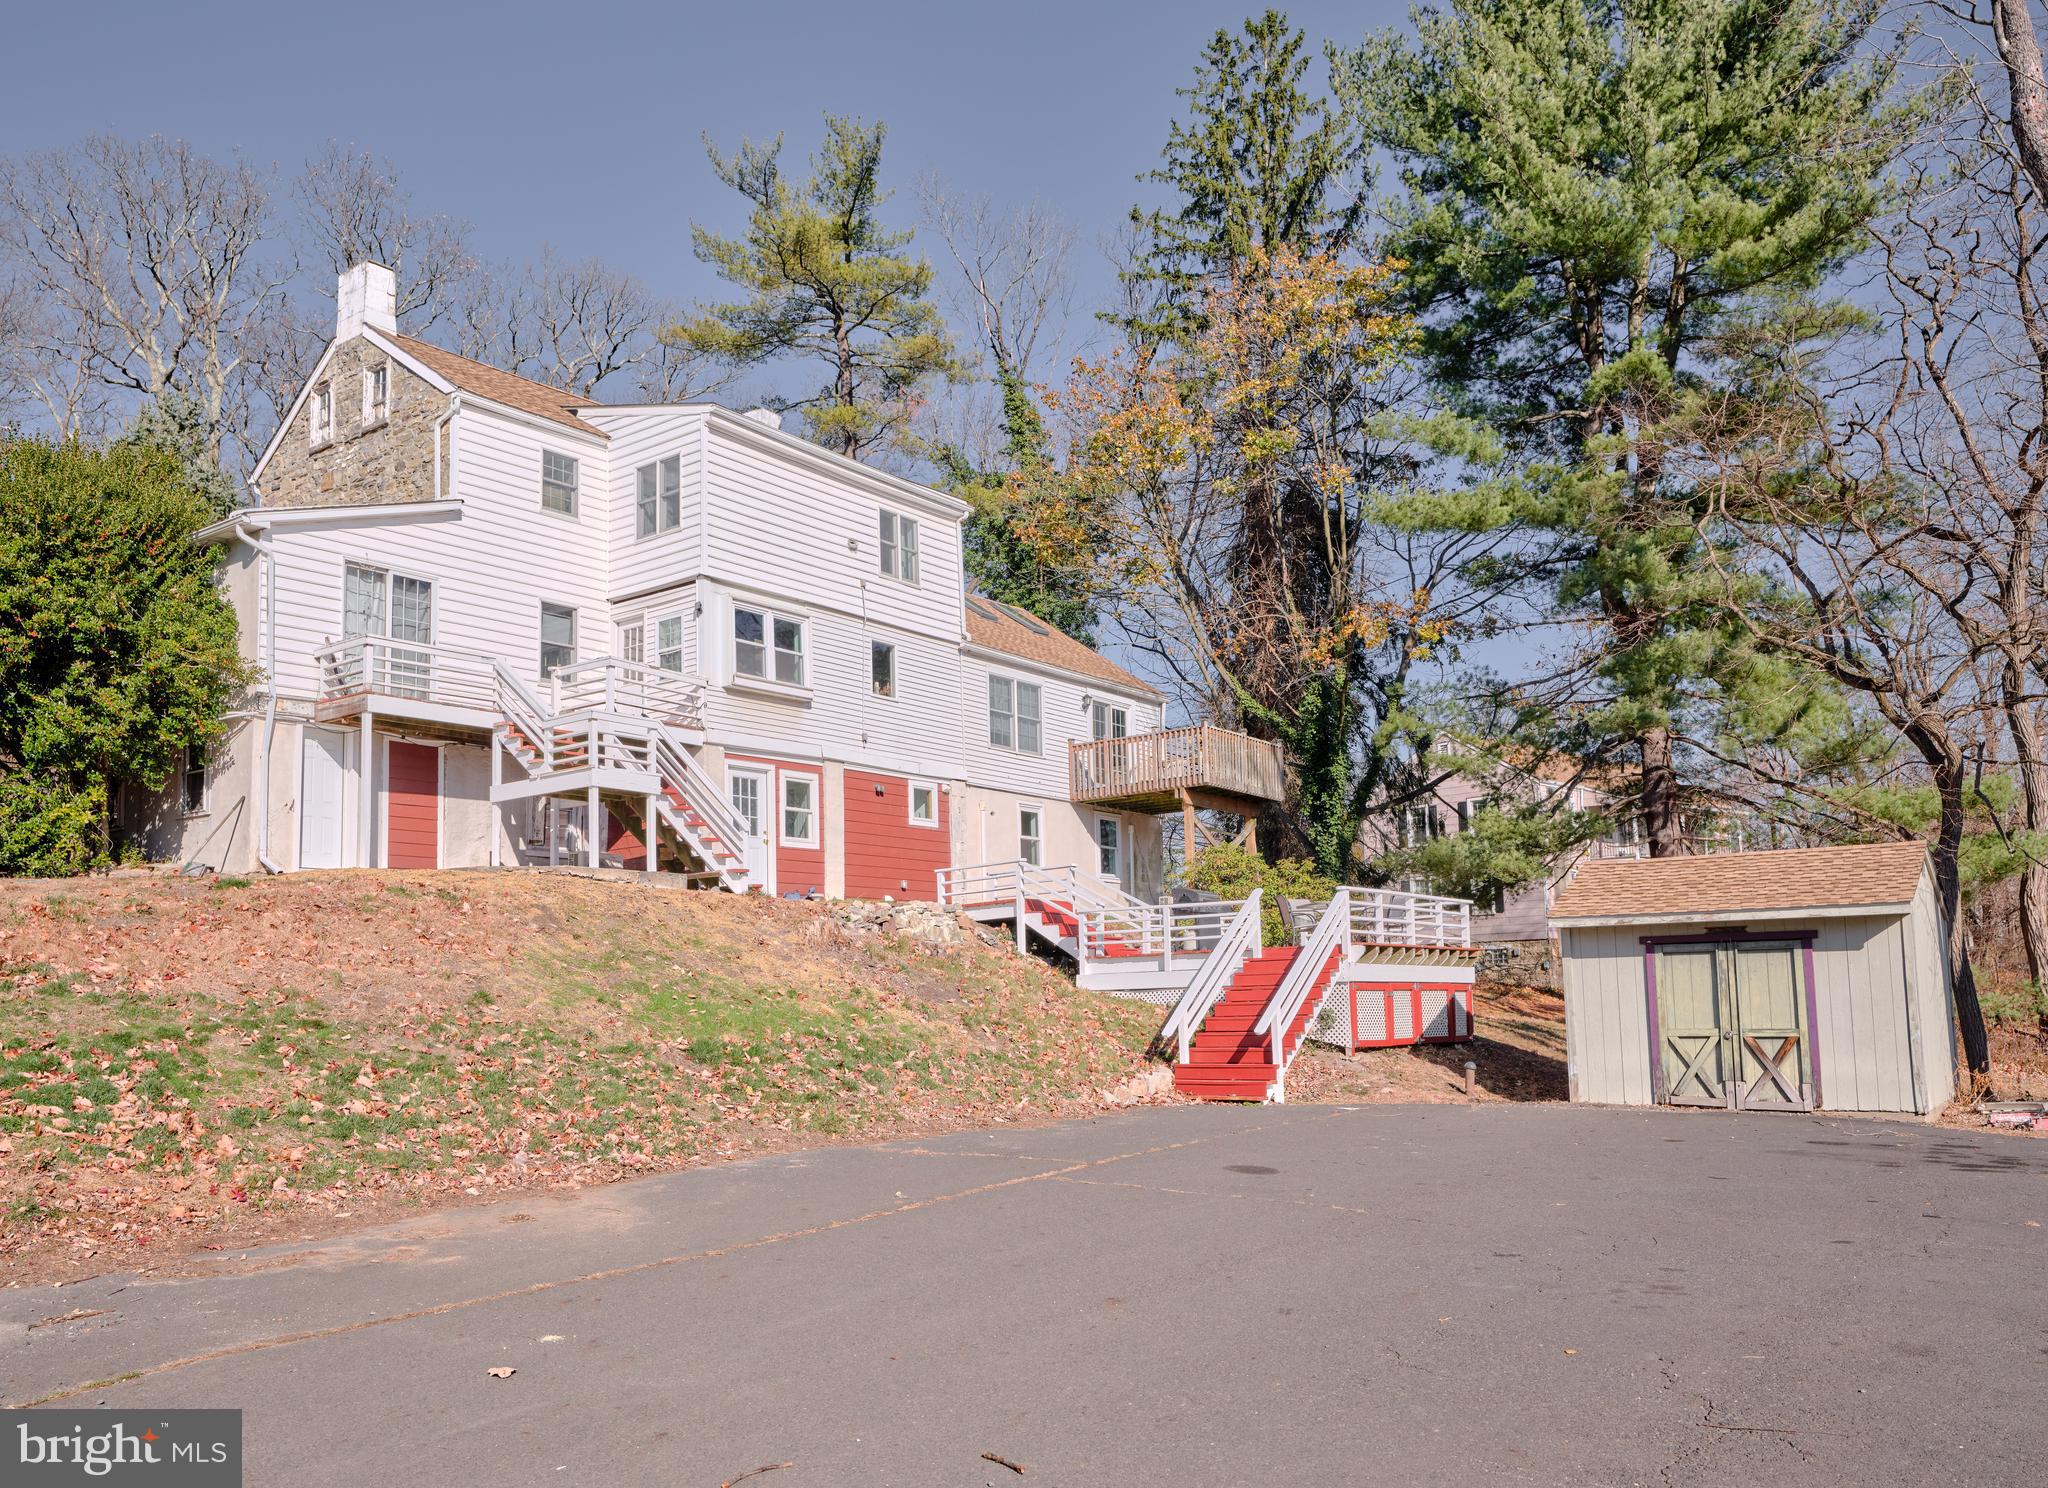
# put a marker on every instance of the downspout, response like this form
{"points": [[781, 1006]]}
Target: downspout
{"points": [[266, 575], [441, 423]]}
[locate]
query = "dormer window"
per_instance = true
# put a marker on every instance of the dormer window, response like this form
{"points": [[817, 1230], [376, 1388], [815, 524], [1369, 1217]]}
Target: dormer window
{"points": [[323, 413], [376, 394], [899, 546]]}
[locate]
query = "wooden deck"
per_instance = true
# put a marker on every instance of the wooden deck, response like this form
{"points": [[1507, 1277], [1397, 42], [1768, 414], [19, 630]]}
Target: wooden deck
{"points": [[1164, 771]]}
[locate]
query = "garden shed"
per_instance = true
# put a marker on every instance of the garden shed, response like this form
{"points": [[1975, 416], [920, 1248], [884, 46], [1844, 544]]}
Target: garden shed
{"points": [[1801, 979]]}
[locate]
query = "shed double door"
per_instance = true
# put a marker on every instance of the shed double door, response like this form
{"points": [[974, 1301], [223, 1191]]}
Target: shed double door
{"points": [[1731, 1027]]}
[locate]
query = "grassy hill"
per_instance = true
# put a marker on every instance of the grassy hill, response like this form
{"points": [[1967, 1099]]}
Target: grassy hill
{"points": [[188, 1063]]}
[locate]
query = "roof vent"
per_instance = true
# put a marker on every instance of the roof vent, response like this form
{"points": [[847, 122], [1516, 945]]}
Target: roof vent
{"points": [[767, 418]]}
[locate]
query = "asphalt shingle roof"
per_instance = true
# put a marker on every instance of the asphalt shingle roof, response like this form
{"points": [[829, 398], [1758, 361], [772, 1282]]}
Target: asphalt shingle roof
{"points": [[1730, 883]]}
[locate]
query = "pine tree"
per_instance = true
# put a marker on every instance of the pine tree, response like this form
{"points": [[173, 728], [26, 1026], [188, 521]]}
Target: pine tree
{"points": [[825, 281], [1258, 167], [1595, 191]]}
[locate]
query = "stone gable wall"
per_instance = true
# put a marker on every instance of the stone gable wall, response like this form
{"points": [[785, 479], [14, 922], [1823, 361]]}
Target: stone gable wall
{"points": [[391, 461]]}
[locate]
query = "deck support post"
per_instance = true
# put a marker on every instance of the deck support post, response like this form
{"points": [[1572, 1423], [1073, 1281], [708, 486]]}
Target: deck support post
{"points": [[497, 856], [652, 839], [1189, 846], [366, 793], [1021, 947], [554, 819], [593, 842]]}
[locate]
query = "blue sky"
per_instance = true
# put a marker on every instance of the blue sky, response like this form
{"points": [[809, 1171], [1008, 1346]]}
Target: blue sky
{"points": [[579, 124]]}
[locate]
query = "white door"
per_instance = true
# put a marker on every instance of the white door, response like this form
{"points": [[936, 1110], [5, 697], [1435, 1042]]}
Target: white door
{"points": [[323, 771], [749, 790]]}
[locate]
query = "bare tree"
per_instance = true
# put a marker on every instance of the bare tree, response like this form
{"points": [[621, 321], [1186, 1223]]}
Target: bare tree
{"points": [[1013, 272], [149, 261], [353, 209]]}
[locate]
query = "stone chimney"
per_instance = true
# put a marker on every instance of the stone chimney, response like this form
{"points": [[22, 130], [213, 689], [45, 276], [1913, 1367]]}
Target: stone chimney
{"points": [[365, 298]]}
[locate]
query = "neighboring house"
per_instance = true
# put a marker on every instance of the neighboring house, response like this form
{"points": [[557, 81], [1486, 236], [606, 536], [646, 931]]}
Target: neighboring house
{"points": [[1519, 921], [502, 624]]}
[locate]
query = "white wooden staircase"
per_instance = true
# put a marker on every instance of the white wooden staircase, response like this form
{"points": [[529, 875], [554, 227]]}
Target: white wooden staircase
{"points": [[613, 749]]}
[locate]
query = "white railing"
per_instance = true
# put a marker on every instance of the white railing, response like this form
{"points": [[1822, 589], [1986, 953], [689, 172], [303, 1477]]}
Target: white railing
{"points": [[1163, 931], [1014, 880], [1242, 938], [682, 777], [472, 679], [1331, 936], [405, 669], [1393, 917], [612, 685]]}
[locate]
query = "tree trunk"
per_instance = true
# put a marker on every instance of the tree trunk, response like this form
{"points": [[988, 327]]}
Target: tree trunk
{"points": [[1949, 780], [2012, 29], [1660, 795], [2025, 723]]}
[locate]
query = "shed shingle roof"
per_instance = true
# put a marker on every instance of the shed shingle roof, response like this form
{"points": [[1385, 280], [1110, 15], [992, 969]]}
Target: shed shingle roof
{"points": [[1734, 883], [509, 388], [994, 627]]}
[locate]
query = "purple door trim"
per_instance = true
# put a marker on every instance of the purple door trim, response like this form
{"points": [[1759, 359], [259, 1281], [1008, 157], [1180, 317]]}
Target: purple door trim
{"points": [[1801, 938], [1656, 1041]]}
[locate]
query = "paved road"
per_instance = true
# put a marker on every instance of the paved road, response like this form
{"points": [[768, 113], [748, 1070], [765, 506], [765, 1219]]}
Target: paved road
{"points": [[1205, 1295]]}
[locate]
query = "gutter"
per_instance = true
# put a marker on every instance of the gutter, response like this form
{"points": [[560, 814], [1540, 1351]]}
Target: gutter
{"points": [[266, 575]]}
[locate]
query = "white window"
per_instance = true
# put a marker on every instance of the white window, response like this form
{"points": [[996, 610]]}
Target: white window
{"points": [[1030, 835], [899, 547], [800, 810], [633, 640], [377, 602], [761, 640], [193, 783], [882, 669], [1109, 846], [658, 502], [924, 804], [558, 482], [557, 637], [1420, 824], [668, 641], [323, 413], [1109, 721], [1014, 715], [376, 393]]}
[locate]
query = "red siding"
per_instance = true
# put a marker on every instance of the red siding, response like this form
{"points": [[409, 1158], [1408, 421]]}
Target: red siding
{"points": [[412, 828], [624, 842], [886, 856], [798, 870]]}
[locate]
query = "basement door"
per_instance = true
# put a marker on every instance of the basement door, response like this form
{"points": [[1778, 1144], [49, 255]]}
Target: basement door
{"points": [[1731, 1026], [323, 772]]}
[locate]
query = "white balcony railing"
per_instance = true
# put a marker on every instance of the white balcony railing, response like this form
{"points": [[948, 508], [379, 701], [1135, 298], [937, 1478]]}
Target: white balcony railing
{"points": [[618, 686], [1392, 917], [468, 679]]}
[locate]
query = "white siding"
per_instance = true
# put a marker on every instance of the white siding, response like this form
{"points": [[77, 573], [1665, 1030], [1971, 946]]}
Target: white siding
{"points": [[491, 567], [643, 437], [1062, 717], [783, 526]]}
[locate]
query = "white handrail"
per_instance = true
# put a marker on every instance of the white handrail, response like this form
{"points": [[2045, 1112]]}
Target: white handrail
{"points": [[695, 785], [618, 685], [1242, 937], [1332, 936], [1396, 917]]}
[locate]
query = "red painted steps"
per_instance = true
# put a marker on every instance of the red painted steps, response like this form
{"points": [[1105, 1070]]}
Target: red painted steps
{"points": [[1226, 1060]]}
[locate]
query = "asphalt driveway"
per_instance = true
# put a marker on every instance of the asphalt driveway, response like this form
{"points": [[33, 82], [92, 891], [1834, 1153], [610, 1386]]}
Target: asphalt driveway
{"points": [[1193, 1295]]}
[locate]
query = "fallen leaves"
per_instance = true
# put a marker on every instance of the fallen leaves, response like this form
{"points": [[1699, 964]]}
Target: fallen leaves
{"points": [[501, 1371]]}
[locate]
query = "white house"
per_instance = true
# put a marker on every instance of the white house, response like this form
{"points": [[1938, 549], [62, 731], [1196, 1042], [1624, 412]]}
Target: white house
{"points": [[496, 623]]}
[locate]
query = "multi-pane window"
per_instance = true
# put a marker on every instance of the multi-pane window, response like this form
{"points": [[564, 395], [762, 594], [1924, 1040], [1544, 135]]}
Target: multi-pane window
{"points": [[1420, 824], [668, 643], [658, 496], [362, 601], [761, 640], [882, 668], [1014, 717], [1109, 721], [558, 482], [633, 640], [412, 610], [1109, 846], [193, 783], [1030, 834], [376, 393], [557, 637], [924, 804], [322, 419], [799, 810], [899, 547]]}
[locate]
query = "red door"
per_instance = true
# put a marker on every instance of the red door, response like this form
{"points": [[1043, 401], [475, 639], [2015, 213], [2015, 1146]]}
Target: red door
{"points": [[412, 830]]}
